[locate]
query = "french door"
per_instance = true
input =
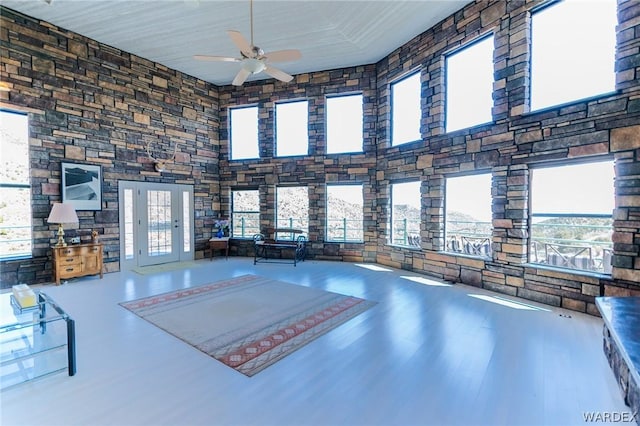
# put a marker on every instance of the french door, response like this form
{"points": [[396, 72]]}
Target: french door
{"points": [[156, 223]]}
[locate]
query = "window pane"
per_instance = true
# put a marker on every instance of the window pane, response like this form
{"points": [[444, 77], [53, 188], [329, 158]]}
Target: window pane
{"points": [[244, 133], [128, 224], [344, 124], [292, 209], [15, 188], [405, 214], [159, 223], [15, 222], [572, 58], [187, 223], [292, 134], [245, 215], [345, 205], [470, 85], [468, 215], [571, 216], [406, 110], [584, 188]]}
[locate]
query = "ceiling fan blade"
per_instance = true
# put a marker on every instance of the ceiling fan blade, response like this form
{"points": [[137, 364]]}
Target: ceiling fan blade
{"points": [[241, 77], [215, 58], [283, 55], [238, 39], [278, 74]]}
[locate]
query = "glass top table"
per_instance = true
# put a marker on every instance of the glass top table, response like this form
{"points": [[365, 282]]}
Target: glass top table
{"points": [[34, 342]]}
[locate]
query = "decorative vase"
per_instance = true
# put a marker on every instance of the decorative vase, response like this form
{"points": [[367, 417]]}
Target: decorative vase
{"points": [[219, 234]]}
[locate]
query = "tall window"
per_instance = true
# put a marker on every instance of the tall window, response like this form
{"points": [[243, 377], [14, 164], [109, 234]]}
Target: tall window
{"points": [[405, 213], [292, 129], [15, 188], [571, 216], [243, 124], [345, 205], [406, 112], [245, 213], [470, 85], [468, 214], [573, 51], [344, 124], [292, 209]]}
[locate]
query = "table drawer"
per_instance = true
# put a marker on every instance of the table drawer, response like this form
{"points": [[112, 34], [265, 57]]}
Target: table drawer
{"points": [[68, 271], [70, 260], [90, 250]]}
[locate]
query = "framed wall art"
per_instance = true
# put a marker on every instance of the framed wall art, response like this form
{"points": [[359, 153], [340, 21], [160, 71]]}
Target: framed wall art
{"points": [[82, 186]]}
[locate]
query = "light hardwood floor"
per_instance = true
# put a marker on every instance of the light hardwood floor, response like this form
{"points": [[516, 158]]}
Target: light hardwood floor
{"points": [[424, 355]]}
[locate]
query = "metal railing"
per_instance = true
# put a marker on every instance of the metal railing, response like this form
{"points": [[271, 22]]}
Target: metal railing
{"points": [[291, 223], [15, 241], [469, 237], [345, 230], [586, 247], [245, 225], [406, 232]]}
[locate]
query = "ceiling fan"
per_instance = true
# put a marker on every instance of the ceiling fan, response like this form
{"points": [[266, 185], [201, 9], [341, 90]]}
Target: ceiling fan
{"points": [[253, 58]]}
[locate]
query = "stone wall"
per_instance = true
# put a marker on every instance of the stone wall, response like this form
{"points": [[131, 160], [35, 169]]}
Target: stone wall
{"points": [[117, 100], [314, 170], [516, 139], [507, 148], [624, 377], [93, 104]]}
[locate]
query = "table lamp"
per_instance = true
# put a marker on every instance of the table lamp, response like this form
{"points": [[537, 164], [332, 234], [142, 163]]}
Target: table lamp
{"points": [[61, 214]]}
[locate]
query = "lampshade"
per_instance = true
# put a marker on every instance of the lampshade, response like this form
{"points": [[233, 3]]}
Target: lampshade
{"points": [[62, 213]]}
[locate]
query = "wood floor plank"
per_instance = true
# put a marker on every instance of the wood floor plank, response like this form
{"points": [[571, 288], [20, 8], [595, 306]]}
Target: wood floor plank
{"points": [[423, 355]]}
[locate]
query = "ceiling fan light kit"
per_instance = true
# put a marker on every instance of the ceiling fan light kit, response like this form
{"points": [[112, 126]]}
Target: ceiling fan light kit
{"points": [[253, 59]]}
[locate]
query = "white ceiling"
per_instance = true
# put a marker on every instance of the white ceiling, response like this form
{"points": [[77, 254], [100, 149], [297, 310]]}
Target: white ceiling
{"points": [[330, 34]]}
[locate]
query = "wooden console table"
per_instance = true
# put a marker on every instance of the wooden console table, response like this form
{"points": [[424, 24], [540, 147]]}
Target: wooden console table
{"points": [[77, 261], [221, 243]]}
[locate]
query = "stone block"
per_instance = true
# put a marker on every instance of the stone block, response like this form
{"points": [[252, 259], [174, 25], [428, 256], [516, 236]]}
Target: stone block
{"points": [[625, 138], [574, 305], [471, 277], [72, 152], [515, 281]]}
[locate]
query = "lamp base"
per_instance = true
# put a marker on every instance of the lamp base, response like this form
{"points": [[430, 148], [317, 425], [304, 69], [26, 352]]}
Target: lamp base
{"points": [[61, 242]]}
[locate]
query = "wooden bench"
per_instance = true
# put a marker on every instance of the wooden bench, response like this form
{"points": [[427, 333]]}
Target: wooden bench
{"points": [[271, 250]]}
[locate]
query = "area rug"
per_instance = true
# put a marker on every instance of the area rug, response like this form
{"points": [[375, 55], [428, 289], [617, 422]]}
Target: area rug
{"points": [[164, 267], [248, 322]]}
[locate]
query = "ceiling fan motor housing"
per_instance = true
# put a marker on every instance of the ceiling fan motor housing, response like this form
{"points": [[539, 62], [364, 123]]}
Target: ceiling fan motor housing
{"points": [[253, 65]]}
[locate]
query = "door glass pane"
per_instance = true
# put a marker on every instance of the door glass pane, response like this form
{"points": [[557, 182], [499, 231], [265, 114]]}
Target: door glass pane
{"points": [[186, 245], [128, 224], [159, 222]]}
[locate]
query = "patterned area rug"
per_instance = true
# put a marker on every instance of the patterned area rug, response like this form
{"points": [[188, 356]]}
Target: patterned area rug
{"points": [[248, 322]]}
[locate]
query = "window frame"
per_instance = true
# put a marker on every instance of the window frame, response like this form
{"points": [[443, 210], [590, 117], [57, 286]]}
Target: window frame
{"points": [[392, 85], [479, 248], [305, 229], [481, 39], [392, 215], [531, 214], [231, 109], [361, 225], [327, 123], [22, 186], [277, 127], [531, 68], [234, 212]]}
